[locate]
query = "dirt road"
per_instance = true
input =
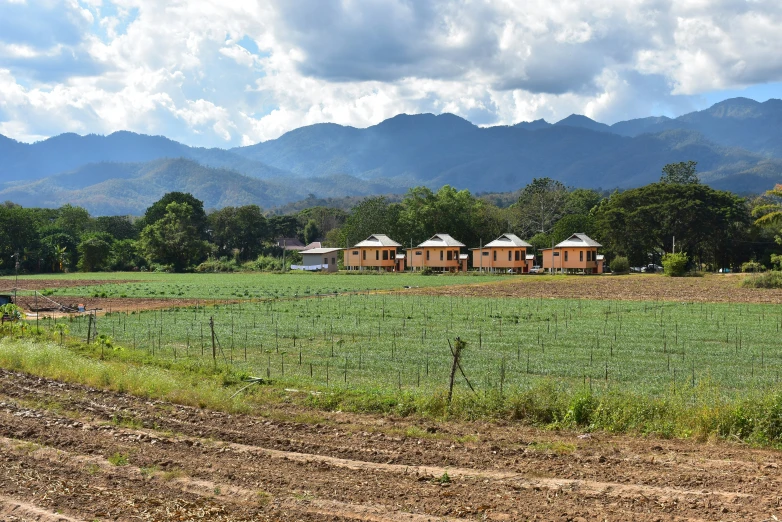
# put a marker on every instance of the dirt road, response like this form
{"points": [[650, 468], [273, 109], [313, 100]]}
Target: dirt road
{"points": [[73, 453]]}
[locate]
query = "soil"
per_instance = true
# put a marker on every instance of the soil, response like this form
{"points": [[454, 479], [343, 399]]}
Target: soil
{"points": [[711, 288], [7, 284], [72, 453], [51, 308]]}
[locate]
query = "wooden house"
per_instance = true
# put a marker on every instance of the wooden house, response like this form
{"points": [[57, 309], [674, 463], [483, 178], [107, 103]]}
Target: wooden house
{"points": [[377, 252], [576, 254], [319, 259], [507, 253], [440, 252]]}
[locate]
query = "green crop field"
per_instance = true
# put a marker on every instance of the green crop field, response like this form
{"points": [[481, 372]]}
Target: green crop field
{"points": [[237, 285], [665, 367], [392, 342]]}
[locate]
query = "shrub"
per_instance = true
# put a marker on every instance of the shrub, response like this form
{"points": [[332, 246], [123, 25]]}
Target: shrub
{"points": [[776, 261], [427, 271], [767, 280], [675, 264], [620, 265], [216, 265], [752, 266]]}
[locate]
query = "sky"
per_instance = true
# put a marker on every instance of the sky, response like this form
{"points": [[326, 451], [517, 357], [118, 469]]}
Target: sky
{"points": [[225, 73]]}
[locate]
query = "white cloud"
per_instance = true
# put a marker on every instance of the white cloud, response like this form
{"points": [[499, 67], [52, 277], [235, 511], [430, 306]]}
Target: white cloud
{"points": [[228, 73]]}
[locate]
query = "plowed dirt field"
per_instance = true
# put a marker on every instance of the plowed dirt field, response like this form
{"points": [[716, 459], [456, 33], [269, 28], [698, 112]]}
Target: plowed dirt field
{"points": [[711, 288], [72, 453]]}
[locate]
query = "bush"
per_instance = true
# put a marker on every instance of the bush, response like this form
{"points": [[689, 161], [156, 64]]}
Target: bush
{"points": [[620, 265], [776, 261], [675, 265], [216, 265], [767, 280], [752, 266], [265, 264], [427, 271]]}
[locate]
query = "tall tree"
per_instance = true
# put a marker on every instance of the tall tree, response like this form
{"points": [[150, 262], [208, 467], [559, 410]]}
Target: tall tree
{"points": [[174, 239], [682, 173], [541, 204], [159, 209], [94, 251]]}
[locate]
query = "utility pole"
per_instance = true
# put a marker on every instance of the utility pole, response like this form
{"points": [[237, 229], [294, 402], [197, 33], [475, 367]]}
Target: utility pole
{"points": [[480, 250], [16, 267]]}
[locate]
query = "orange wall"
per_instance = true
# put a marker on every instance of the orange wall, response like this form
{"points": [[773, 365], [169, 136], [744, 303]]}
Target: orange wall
{"points": [[418, 261], [573, 258], [479, 261], [352, 259]]}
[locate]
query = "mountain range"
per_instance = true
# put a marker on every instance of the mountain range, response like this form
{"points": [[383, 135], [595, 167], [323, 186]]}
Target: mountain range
{"points": [[737, 144]]}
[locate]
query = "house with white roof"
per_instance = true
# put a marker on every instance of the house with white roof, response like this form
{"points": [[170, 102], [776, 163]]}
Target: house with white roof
{"points": [[440, 252], [575, 255], [377, 252], [506, 253]]}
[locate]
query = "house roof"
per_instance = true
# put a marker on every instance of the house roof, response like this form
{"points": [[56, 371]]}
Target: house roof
{"points": [[440, 240], [507, 240], [320, 251], [314, 244], [577, 240], [290, 243], [377, 240]]}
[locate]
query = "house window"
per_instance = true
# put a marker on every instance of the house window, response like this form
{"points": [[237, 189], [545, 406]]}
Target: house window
{"points": [[510, 254], [364, 254], [581, 255], [427, 255], [565, 255], [441, 255], [325, 260], [418, 253], [333, 261], [385, 255], [589, 255], [518, 255], [494, 255], [450, 256], [556, 254], [484, 253], [377, 255], [355, 252]]}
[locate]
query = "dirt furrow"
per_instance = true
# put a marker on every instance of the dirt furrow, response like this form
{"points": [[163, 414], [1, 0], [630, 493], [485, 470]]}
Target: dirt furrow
{"points": [[474, 491], [13, 510]]}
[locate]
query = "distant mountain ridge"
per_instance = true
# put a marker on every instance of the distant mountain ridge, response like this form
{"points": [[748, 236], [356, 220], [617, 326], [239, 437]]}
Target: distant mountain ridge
{"points": [[736, 143]]}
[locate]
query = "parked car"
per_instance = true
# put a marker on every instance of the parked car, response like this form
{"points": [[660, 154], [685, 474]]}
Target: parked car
{"points": [[537, 269], [652, 268]]}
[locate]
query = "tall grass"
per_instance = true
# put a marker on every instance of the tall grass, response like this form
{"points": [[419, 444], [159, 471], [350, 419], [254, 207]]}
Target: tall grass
{"points": [[697, 411]]}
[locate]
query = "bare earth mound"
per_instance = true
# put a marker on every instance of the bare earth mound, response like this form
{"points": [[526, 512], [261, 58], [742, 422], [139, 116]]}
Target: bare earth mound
{"points": [[711, 288], [97, 455]]}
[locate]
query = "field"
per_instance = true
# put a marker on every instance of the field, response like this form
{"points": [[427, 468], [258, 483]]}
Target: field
{"points": [[682, 362]]}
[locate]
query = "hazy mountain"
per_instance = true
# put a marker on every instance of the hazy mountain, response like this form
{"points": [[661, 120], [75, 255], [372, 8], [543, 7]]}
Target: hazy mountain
{"points": [[129, 188], [69, 151], [577, 120], [736, 144]]}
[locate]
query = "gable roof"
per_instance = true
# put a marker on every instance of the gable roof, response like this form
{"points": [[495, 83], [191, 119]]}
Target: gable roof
{"points": [[440, 240], [314, 244], [507, 240], [377, 240], [578, 240], [318, 251]]}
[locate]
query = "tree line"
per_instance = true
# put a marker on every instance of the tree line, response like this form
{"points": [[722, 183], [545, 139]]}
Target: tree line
{"points": [[716, 228]]}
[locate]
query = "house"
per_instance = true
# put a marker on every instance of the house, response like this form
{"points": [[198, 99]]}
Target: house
{"points": [[440, 252], [290, 244], [506, 253], [576, 254], [377, 252], [324, 259]]}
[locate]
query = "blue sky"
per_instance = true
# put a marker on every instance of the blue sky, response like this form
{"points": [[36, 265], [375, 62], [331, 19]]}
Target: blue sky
{"points": [[220, 74]]}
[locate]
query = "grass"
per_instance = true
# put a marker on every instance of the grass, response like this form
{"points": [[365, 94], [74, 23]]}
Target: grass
{"points": [[118, 459], [764, 280], [254, 285]]}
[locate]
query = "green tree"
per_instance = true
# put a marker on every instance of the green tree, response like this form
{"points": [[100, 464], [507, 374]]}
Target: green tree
{"points": [[241, 229], [18, 233], [120, 227], [72, 220], [159, 209], [582, 201], [125, 255], [705, 222], [373, 215], [541, 204], [570, 224], [311, 232], [174, 239], [682, 173], [94, 251]]}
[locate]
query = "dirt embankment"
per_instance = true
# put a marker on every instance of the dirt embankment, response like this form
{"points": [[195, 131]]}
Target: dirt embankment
{"points": [[72, 453], [711, 288]]}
